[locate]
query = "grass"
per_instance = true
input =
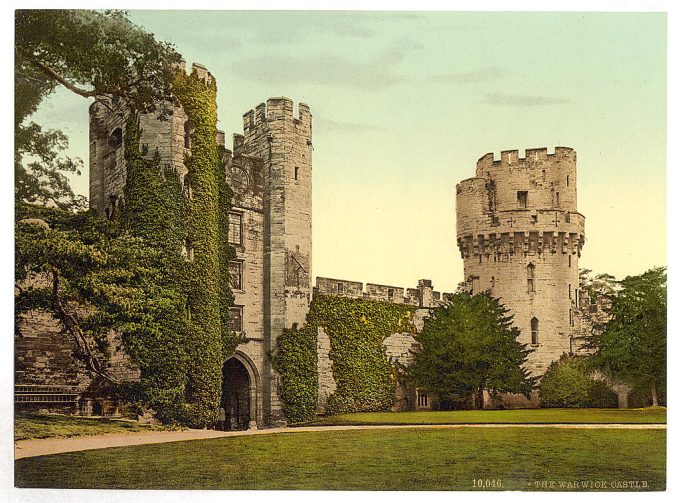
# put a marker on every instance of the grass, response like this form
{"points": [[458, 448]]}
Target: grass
{"points": [[27, 426], [407, 459], [533, 416]]}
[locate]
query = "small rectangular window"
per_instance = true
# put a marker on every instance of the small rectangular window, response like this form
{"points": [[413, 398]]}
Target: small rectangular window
{"points": [[341, 289], [474, 280], [296, 172], [567, 180], [236, 318], [235, 228], [570, 290], [569, 259], [534, 331], [522, 198], [557, 194], [236, 274], [390, 294]]}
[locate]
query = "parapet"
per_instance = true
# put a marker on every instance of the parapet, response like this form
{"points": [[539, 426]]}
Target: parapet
{"points": [[277, 109], [200, 70], [511, 158], [202, 73], [423, 296]]}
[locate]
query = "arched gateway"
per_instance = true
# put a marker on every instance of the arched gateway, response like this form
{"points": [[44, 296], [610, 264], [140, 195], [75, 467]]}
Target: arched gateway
{"points": [[240, 384]]}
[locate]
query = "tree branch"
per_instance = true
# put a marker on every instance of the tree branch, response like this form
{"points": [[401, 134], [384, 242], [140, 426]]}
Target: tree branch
{"points": [[73, 327], [53, 74]]}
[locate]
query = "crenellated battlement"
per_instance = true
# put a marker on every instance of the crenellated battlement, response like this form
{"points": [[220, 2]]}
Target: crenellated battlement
{"points": [[276, 110], [200, 70], [422, 296], [533, 154]]}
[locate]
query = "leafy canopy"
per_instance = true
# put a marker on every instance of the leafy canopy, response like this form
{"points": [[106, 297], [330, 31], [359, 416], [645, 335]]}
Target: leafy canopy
{"points": [[95, 279], [92, 54], [470, 345], [566, 383], [632, 346]]}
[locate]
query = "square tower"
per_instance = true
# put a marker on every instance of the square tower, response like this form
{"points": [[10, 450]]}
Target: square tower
{"points": [[284, 144]]}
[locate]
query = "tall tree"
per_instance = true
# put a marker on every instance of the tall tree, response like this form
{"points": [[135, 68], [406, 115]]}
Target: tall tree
{"points": [[93, 54], [468, 346], [94, 279], [632, 346]]}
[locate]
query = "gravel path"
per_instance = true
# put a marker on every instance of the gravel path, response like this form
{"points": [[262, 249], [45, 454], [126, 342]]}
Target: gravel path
{"points": [[45, 446]]}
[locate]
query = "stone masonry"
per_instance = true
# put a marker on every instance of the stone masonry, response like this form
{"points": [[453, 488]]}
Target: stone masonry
{"points": [[518, 231], [520, 236], [270, 222], [399, 347]]}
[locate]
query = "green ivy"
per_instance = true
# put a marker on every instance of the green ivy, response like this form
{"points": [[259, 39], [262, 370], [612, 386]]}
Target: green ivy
{"points": [[296, 362], [356, 329], [209, 291], [155, 210]]}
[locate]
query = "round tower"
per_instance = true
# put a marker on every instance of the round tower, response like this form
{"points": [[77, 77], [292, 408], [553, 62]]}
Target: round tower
{"points": [[520, 236]]}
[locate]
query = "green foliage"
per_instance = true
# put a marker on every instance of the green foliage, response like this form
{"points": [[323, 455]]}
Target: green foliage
{"points": [[468, 346], [95, 279], [599, 285], [566, 383], [155, 211], [296, 361], [40, 167], [209, 294], [632, 346], [93, 54], [356, 329]]}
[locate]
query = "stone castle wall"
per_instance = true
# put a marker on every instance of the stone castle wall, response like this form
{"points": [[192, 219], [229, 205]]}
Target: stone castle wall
{"points": [[422, 296], [520, 237], [399, 347]]}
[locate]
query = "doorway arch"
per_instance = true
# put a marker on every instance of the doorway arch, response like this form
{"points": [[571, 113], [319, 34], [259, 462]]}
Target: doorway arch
{"points": [[240, 385]]}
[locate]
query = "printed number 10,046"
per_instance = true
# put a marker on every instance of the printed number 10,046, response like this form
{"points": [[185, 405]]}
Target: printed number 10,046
{"points": [[486, 483]]}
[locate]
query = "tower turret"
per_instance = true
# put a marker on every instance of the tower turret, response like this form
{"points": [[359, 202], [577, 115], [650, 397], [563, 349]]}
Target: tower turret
{"points": [[520, 237], [284, 142]]}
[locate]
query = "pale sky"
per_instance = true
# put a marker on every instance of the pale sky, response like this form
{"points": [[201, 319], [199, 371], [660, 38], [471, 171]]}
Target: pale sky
{"points": [[405, 103]]}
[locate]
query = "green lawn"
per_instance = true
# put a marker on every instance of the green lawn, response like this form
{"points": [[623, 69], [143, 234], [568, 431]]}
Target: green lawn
{"points": [[597, 416], [50, 425], [408, 459]]}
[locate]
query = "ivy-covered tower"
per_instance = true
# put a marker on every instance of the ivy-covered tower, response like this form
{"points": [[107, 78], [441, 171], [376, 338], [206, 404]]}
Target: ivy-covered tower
{"points": [[165, 178], [247, 233]]}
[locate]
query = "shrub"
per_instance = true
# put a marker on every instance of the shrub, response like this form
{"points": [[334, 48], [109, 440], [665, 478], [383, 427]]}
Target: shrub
{"points": [[567, 384]]}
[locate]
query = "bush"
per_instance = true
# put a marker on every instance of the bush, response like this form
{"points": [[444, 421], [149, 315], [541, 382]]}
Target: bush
{"points": [[567, 384]]}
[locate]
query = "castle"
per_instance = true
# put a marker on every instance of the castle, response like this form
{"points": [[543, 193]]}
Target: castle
{"points": [[518, 232]]}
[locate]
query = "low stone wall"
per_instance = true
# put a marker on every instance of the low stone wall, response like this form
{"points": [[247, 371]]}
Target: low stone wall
{"points": [[46, 366]]}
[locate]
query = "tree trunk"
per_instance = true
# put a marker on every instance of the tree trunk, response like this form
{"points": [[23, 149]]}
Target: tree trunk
{"points": [[72, 326], [655, 399], [479, 398]]}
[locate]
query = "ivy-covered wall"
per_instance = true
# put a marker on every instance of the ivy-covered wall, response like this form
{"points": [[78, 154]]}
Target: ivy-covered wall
{"points": [[356, 328], [209, 295], [155, 210]]}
